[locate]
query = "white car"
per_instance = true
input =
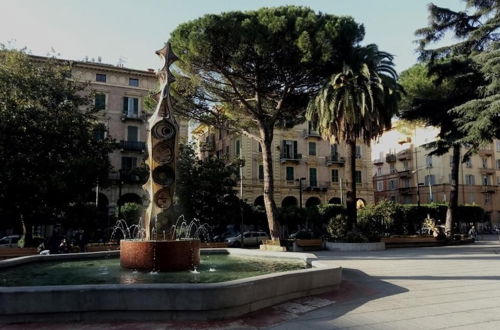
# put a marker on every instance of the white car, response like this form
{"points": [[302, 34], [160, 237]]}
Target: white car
{"points": [[250, 238], [9, 241]]}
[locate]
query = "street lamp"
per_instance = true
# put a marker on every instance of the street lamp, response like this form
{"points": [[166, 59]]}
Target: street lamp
{"points": [[300, 190], [241, 163], [418, 184]]}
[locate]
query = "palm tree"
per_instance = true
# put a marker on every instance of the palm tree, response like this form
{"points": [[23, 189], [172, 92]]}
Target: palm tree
{"points": [[357, 103]]}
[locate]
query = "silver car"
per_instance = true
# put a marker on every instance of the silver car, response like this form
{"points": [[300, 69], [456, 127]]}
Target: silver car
{"points": [[9, 241], [250, 238]]}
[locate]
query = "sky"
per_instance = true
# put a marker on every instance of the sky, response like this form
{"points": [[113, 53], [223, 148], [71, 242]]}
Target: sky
{"points": [[129, 31]]}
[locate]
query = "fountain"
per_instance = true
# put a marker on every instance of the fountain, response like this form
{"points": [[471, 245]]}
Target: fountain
{"points": [[151, 253]]}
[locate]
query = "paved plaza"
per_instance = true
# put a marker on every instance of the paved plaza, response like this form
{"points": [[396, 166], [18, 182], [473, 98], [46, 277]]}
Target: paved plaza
{"points": [[454, 287]]}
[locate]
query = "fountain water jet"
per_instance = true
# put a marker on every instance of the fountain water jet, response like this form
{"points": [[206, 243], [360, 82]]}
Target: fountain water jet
{"points": [[151, 253]]}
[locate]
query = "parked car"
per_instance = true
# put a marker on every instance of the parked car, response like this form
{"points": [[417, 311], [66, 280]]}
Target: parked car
{"points": [[9, 241], [250, 238]]}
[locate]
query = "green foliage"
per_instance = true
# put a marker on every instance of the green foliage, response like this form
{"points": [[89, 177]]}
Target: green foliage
{"points": [[50, 160], [131, 213], [477, 30], [205, 189], [376, 220], [337, 227], [256, 70]]}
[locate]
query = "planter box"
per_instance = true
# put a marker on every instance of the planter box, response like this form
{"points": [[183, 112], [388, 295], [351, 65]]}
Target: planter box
{"points": [[8, 253], [300, 245], [213, 245], [334, 246]]}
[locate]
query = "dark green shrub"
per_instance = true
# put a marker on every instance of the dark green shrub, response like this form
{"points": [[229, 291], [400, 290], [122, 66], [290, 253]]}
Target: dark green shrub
{"points": [[337, 227]]}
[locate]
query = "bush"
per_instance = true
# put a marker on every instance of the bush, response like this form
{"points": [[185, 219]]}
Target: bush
{"points": [[131, 213], [337, 227], [379, 220]]}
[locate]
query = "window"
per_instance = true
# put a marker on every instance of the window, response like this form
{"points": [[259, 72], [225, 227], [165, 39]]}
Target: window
{"points": [[311, 127], [394, 199], [428, 161], [358, 176], [238, 148], [312, 148], [451, 161], [261, 172], [498, 164], [289, 150], [430, 180], [227, 150], [393, 184], [131, 107], [335, 175], [289, 173], [392, 168], [498, 145], [260, 147], [486, 180], [358, 152], [468, 163], [133, 82], [380, 185], [484, 162], [132, 133], [406, 165], [406, 183], [313, 178], [100, 77], [100, 101], [129, 163], [469, 179], [99, 133], [379, 170]]}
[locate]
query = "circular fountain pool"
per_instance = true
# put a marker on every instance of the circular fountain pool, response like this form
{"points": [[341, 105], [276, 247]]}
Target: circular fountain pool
{"points": [[213, 268]]}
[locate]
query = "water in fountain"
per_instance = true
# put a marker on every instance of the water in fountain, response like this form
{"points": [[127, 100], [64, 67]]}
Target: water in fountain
{"points": [[135, 231]]}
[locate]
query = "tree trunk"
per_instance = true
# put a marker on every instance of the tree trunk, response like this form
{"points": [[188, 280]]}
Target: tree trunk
{"points": [[266, 134], [351, 185], [451, 212]]}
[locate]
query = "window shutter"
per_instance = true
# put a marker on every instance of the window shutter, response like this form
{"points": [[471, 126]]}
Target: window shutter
{"points": [[136, 106], [125, 105], [295, 150]]}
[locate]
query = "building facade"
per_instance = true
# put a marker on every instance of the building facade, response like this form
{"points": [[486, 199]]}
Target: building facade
{"points": [[401, 162], [302, 162]]}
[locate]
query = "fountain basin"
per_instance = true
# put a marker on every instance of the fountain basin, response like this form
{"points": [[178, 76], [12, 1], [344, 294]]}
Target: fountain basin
{"points": [[161, 256], [166, 301]]}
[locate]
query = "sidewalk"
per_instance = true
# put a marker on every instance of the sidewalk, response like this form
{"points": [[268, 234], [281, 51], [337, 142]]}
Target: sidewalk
{"points": [[455, 287]]}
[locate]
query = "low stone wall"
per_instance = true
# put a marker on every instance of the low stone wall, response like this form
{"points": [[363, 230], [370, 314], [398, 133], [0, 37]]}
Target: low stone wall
{"points": [[375, 246], [165, 301]]}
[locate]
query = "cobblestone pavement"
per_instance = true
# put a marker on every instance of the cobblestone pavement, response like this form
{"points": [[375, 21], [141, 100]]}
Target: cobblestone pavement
{"points": [[413, 288]]}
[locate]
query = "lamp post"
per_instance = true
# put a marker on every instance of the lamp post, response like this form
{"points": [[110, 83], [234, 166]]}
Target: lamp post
{"points": [[241, 164], [300, 190]]}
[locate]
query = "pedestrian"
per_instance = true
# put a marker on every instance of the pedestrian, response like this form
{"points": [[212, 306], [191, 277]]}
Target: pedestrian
{"points": [[472, 232]]}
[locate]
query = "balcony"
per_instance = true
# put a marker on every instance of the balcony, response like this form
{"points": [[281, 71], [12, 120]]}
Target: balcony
{"points": [[133, 117], [378, 161], [404, 154], [485, 152], [309, 133], [317, 187], [390, 158], [488, 189], [135, 146], [487, 170], [293, 158], [406, 173], [334, 159]]}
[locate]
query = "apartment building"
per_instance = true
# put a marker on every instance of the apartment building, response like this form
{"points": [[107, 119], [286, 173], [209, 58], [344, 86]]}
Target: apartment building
{"points": [[120, 94], [401, 161], [302, 162]]}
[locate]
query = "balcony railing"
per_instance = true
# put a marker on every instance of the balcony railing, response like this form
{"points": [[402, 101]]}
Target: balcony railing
{"points": [[133, 116], [334, 159], [390, 158], [404, 154], [488, 189], [378, 161], [310, 133], [133, 146], [405, 190], [406, 173], [290, 158], [485, 152]]}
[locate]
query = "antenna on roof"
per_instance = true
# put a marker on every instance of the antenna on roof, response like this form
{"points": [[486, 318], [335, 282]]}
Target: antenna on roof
{"points": [[121, 61]]}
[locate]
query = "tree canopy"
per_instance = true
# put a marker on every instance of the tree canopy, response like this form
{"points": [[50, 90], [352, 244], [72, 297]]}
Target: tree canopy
{"points": [[50, 158], [476, 55], [256, 70]]}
